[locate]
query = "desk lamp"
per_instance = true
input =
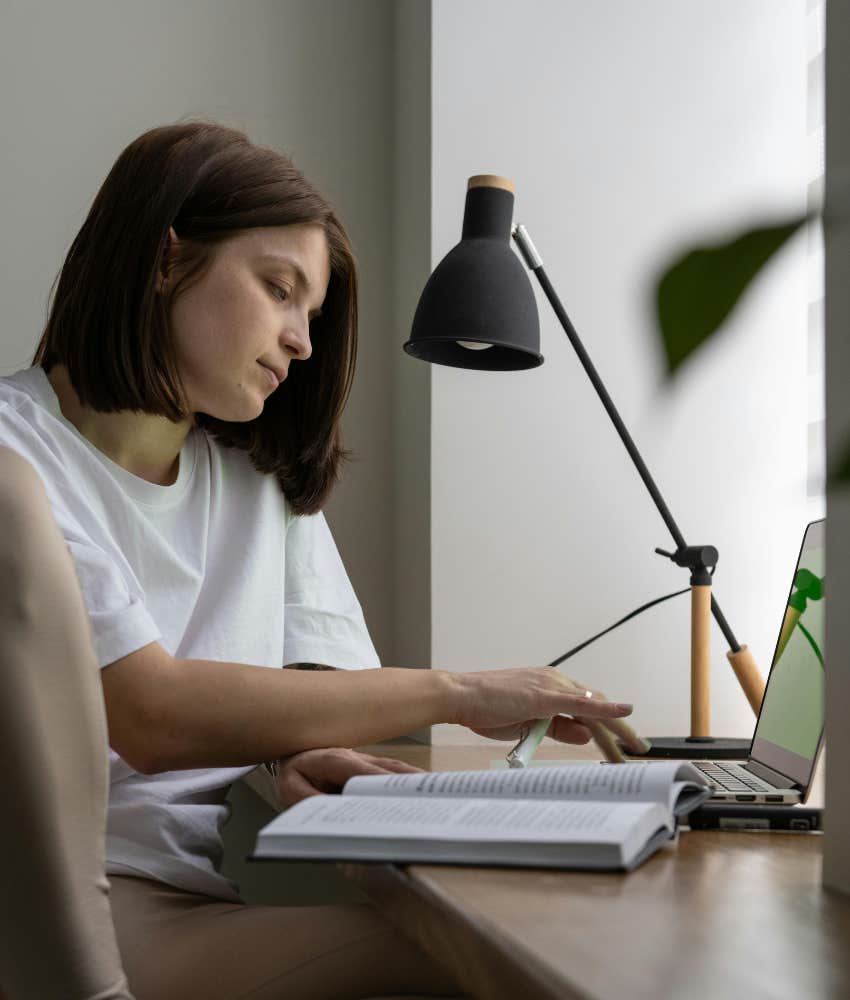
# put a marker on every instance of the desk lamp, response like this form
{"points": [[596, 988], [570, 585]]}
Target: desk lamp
{"points": [[478, 311]]}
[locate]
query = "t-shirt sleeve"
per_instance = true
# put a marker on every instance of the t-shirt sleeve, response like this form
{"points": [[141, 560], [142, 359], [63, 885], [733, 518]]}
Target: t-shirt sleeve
{"points": [[120, 622], [323, 620]]}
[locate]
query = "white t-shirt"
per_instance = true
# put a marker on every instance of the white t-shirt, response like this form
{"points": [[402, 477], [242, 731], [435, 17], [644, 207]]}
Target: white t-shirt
{"points": [[214, 567]]}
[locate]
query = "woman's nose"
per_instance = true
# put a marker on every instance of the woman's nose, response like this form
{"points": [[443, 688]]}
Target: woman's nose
{"points": [[298, 339]]}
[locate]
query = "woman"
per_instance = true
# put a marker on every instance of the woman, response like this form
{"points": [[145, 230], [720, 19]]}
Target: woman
{"points": [[179, 431]]}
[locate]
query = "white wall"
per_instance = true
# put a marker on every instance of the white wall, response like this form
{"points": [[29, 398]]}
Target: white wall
{"points": [[627, 128]]}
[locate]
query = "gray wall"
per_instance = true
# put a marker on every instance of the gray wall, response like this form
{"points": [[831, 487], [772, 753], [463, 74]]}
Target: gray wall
{"points": [[836, 868], [311, 77], [411, 382]]}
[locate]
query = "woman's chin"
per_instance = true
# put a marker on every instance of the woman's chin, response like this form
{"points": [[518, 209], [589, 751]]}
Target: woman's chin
{"points": [[249, 410], [249, 413]]}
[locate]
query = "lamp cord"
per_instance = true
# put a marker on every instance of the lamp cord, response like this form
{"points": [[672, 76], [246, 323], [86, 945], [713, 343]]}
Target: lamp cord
{"points": [[632, 614]]}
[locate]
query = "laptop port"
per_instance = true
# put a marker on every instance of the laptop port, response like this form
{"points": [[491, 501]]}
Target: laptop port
{"points": [[745, 798], [773, 798]]}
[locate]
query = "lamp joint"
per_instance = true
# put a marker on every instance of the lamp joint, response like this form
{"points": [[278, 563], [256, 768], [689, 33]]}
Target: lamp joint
{"points": [[698, 559]]}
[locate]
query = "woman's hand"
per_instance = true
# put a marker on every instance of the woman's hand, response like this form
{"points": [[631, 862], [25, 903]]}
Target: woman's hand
{"points": [[326, 770], [489, 702]]}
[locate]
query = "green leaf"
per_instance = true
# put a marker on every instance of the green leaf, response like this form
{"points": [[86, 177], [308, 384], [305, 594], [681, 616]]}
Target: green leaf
{"points": [[699, 290]]}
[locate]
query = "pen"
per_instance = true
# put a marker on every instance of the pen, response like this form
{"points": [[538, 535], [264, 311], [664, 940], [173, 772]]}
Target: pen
{"points": [[522, 753]]}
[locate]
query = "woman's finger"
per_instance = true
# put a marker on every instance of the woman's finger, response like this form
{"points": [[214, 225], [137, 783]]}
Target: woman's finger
{"points": [[293, 786], [580, 685], [618, 726], [587, 705], [566, 730], [516, 731], [340, 764], [627, 735], [391, 764], [604, 740]]}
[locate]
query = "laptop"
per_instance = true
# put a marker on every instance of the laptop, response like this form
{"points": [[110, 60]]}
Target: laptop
{"points": [[789, 732]]}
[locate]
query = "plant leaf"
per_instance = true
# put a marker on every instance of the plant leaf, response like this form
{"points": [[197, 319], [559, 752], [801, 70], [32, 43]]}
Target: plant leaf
{"points": [[699, 290]]}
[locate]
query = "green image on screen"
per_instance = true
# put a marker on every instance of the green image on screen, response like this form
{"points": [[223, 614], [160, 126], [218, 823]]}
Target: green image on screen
{"points": [[792, 713]]}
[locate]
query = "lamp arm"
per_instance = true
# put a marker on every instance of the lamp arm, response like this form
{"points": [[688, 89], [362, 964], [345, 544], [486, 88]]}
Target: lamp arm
{"points": [[746, 676]]}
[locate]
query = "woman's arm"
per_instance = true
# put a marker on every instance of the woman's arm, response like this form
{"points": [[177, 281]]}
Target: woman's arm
{"points": [[168, 714], [165, 714]]}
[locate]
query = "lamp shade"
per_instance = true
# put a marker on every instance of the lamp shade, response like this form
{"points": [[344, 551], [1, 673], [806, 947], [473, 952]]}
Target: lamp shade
{"points": [[477, 309]]}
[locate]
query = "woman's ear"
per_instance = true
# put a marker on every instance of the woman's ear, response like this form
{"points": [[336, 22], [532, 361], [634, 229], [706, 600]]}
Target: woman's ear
{"points": [[162, 277]]}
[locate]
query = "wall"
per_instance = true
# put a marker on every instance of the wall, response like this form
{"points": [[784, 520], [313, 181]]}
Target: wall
{"points": [[836, 864], [309, 77], [627, 128], [411, 383]]}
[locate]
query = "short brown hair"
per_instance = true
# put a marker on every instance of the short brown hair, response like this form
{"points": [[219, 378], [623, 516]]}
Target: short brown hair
{"points": [[109, 326]]}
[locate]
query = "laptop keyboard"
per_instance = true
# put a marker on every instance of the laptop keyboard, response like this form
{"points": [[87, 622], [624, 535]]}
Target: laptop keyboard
{"points": [[731, 777]]}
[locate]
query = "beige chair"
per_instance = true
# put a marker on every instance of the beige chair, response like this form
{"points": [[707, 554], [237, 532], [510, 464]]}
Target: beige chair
{"points": [[56, 932]]}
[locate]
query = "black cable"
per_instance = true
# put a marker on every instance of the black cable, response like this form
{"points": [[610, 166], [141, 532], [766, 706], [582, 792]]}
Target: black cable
{"points": [[610, 628]]}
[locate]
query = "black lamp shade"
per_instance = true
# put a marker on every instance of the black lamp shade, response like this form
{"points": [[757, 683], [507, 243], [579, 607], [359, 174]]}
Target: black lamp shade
{"points": [[479, 293]]}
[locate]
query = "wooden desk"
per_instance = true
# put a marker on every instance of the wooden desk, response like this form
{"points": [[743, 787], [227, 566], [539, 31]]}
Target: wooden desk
{"points": [[721, 915]]}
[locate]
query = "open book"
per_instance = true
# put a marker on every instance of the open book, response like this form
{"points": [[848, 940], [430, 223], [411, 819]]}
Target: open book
{"points": [[575, 815]]}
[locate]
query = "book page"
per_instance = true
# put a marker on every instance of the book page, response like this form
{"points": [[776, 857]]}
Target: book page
{"points": [[480, 820], [649, 781]]}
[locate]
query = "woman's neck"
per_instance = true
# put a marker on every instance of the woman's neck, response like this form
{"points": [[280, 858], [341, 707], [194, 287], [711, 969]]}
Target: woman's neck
{"points": [[147, 446]]}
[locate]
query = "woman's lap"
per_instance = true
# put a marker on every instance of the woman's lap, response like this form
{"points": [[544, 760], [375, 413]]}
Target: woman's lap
{"points": [[175, 944]]}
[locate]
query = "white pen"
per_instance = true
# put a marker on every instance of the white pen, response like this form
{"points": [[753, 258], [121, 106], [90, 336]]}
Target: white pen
{"points": [[522, 753]]}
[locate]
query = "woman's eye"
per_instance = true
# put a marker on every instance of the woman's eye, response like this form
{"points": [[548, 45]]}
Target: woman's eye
{"points": [[284, 292]]}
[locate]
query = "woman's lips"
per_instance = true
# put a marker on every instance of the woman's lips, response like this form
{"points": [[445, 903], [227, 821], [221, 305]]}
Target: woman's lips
{"points": [[272, 377]]}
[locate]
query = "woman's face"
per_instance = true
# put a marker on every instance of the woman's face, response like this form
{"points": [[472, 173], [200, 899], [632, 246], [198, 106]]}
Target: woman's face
{"points": [[249, 311]]}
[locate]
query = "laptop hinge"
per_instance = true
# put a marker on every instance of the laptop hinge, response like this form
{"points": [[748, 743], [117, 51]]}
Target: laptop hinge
{"points": [[768, 774]]}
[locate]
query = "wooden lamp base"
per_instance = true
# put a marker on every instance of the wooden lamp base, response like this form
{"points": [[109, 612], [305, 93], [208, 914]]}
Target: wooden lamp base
{"points": [[700, 745]]}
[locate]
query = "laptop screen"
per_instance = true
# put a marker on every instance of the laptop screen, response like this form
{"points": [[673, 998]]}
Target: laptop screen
{"points": [[790, 724]]}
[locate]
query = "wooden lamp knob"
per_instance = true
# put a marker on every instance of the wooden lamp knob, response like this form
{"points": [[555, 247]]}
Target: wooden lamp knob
{"points": [[492, 181]]}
